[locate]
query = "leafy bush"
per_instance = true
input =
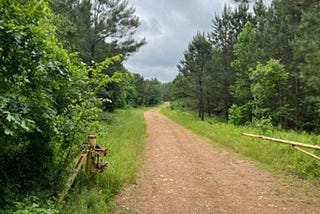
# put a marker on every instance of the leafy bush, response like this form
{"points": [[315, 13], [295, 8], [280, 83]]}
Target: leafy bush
{"points": [[269, 84], [33, 205], [239, 115], [177, 105], [47, 101]]}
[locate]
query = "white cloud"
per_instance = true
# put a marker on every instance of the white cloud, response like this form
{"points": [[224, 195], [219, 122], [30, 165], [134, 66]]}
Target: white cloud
{"points": [[168, 27]]}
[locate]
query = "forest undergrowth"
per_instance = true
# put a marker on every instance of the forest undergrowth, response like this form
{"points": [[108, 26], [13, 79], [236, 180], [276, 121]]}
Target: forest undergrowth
{"points": [[123, 133]]}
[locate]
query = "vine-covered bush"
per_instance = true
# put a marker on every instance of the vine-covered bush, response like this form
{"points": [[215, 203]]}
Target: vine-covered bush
{"points": [[47, 101]]}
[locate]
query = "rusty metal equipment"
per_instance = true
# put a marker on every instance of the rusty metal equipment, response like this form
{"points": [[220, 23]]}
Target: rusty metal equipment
{"points": [[296, 145], [92, 154]]}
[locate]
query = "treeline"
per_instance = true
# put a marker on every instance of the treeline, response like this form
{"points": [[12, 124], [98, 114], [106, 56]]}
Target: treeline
{"points": [[134, 92], [98, 29], [61, 64], [257, 65]]}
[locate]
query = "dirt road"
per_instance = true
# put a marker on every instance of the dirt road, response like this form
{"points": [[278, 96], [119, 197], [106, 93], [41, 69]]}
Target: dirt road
{"points": [[183, 173]]}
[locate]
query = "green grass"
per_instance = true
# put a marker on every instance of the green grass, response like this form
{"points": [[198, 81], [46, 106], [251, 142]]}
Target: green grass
{"points": [[278, 158], [123, 133]]}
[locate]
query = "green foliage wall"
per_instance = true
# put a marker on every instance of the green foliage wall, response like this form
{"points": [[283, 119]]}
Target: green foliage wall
{"points": [[263, 65], [46, 101], [100, 29]]}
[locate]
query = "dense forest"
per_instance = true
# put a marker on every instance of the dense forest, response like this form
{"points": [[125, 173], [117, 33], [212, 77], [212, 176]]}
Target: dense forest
{"points": [[259, 64], [62, 64]]}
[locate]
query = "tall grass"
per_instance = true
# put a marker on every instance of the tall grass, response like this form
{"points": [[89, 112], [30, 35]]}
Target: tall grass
{"points": [[123, 133], [279, 158]]}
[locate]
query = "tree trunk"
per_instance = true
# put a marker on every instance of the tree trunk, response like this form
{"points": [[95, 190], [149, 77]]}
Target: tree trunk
{"points": [[297, 101], [199, 108], [201, 99], [226, 99], [202, 113], [208, 106]]}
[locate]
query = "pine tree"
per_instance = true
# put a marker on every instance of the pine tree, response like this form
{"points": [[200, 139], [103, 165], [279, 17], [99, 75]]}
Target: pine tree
{"points": [[194, 66], [307, 52], [225, 31], [100, 28]]}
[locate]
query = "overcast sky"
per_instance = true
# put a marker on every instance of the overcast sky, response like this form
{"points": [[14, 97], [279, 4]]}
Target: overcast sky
{"points": [[168, 26]]}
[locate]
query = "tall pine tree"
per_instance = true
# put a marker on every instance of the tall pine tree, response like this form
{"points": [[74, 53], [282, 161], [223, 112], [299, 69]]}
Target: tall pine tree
{"points": [[194, 66]]}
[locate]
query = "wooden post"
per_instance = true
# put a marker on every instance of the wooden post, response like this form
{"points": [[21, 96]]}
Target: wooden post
{"points": [[307, 153], [293, 143], [74, 173], [90, 153], [92, 141]]}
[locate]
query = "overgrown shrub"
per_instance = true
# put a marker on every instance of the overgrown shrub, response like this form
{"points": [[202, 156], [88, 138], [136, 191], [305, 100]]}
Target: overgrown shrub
{"points": [[32, 205], [177, 105], [239, 115], [47, 101]]}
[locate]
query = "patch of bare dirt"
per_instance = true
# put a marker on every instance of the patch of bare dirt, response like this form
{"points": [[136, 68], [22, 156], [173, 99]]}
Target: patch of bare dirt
{"points": [[183, 173]]}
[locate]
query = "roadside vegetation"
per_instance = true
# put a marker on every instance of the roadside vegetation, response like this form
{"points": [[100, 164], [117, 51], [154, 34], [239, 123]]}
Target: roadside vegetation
{"points": [[255, 71], [53, 93], [123, 133], [279, 158]]}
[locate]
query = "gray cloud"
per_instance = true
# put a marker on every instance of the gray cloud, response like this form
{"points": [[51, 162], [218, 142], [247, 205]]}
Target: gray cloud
{"points": [[168, 26]]}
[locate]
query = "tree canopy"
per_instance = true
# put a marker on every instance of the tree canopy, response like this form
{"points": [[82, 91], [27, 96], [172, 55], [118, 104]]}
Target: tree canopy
{"points": [[263, 65]]}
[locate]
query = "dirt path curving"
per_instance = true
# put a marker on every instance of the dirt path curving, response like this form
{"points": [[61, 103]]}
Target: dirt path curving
{"points": [[182, 173]]}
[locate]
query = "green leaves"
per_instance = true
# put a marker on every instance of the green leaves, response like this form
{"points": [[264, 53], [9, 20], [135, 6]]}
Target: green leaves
{"points": [[13, 120], [99, 29], [246, 58], [99, 77], [33, 205], [269, 83], [47, 100], [269, 75]]}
